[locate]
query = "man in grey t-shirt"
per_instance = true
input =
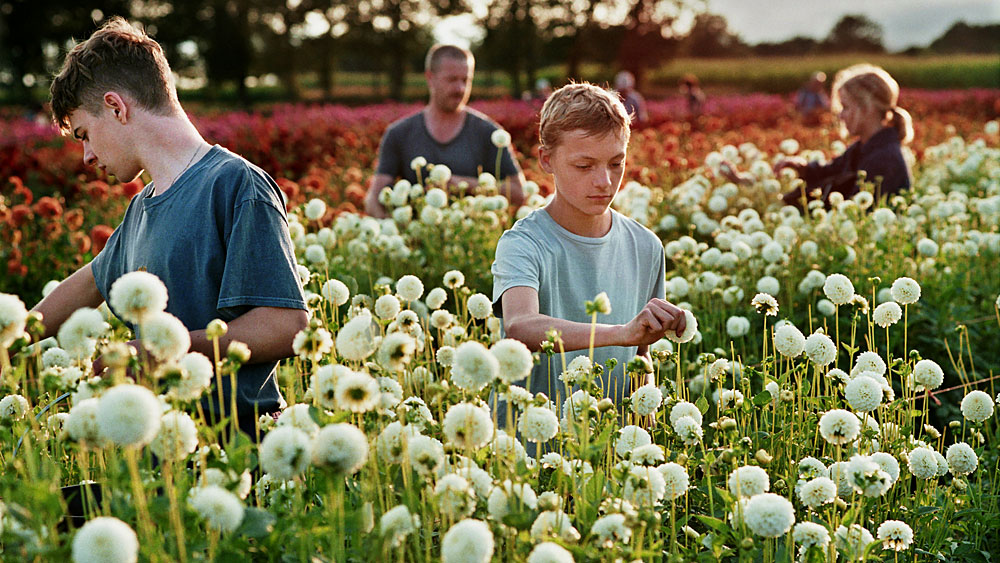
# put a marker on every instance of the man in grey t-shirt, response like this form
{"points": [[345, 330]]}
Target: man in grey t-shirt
{"points": [[445, 132]]}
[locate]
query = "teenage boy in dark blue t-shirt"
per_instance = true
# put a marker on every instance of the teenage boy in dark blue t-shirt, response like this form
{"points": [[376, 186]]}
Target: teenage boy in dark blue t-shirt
{"points": [[210, 225]]}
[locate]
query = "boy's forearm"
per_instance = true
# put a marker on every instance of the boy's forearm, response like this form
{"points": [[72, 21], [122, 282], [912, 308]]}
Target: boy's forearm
{"points": [[265, 346], [78, 290], [575, 336]]}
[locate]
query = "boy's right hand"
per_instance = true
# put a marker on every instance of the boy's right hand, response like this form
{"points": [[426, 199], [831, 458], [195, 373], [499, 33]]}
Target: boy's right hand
{"points": [[653, 322]]}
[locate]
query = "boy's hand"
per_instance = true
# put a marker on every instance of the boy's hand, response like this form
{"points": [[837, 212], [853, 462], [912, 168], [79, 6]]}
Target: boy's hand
{"points": [[653, 322]]}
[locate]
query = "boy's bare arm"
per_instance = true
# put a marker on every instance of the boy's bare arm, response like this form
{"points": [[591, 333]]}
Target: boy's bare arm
{"points": [[78, 290], [267, 331], [523, 322]]}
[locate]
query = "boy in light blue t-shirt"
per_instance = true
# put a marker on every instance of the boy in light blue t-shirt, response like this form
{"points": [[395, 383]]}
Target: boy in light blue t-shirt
{"points": [[552, 261]]}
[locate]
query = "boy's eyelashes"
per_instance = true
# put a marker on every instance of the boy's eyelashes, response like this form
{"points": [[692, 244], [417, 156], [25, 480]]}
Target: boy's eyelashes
{"points": [[589, 166]]}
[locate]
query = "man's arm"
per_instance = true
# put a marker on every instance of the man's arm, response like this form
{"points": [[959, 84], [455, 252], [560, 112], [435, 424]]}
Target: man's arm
{"points": [[372, 205], [523, 322], [269, 345], [78, 290]]}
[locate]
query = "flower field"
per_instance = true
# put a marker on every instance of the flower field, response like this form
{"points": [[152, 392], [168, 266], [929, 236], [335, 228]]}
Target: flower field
{"points": [[833, 401]]}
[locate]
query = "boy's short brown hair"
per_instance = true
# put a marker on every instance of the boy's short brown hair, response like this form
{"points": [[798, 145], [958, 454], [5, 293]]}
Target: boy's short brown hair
{"points": [[117, 57], [582, 106]]}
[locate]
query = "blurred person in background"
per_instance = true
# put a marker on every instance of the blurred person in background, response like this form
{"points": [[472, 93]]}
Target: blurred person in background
{"points": [[693, 95], [635, 104], [865, 101], [446, 131], [811, 100]]}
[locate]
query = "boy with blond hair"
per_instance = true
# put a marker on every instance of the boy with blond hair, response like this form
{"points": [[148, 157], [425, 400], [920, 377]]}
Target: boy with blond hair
{"points": [[552, 261]]}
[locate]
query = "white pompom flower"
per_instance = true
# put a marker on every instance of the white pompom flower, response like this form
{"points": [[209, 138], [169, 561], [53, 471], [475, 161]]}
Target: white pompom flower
{"points": [[221, 509], [839, 427], [474, 367], [285, 452], [105, 539], [137, 295], [129, 415], [905, 291], [769, 515], [887, 314], [977, 406], [690, 329], [895, 535], [164, 336], [469, 541], [13, 319], [177, 438], [789, 341], [513, 358], [838, 289], [748, 481]]}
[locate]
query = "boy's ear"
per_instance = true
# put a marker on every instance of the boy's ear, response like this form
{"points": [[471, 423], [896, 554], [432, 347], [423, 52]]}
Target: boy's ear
{"points": [[115, 102], [545, 159]]}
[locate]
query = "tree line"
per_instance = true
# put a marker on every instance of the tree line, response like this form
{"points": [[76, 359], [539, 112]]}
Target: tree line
{"points": [[227, 41]]}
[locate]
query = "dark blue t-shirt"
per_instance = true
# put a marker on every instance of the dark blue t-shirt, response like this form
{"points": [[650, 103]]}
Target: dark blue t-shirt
{"points": [[471, 151], [219, 241]]}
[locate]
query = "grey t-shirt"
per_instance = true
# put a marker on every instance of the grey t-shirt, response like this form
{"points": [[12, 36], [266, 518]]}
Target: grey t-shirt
{"points": [[219, 241], [568, 269], [468, 154]]}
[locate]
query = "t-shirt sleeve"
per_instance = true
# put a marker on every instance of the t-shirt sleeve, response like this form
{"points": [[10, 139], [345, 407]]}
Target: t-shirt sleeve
{"points": [[660, 283], [107, 266], [390, 153], [517, 264], [260, 262]]}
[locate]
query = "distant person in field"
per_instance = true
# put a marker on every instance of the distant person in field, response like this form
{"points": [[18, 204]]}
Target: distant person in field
{"points": [[556, 258], [694, 97], [864, 99], [635, 104], [209, 224], [447, 132], [811, 100]]}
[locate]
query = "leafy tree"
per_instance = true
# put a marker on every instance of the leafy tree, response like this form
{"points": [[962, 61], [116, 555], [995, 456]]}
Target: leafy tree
{"points": [[855, 33], [710, 37], [964, 38]]}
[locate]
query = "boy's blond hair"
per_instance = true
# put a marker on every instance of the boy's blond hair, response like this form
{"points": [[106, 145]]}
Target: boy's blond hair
{"points": [[582, 106]]}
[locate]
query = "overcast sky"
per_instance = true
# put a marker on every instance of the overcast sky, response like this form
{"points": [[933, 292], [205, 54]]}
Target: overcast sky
{"points": [[905, 22]]}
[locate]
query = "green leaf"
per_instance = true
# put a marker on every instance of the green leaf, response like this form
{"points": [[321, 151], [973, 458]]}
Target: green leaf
{"points": [[257, 523], [702, 405], [714, 523], [762, 398]]}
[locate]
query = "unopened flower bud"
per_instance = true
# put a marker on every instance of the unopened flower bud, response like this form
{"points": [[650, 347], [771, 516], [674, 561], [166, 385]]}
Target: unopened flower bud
{"points": [[763, 457], [728, 424], [216, 329], [605, 404], [786, 396], [840, 503], [238, 352], [746, 544], [932, 432], [954, 424], [682, 459], [691, 533]]}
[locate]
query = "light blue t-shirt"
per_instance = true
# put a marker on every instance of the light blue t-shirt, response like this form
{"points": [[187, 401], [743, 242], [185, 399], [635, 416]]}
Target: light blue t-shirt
{"points": [[219, 241], [567, 270]]}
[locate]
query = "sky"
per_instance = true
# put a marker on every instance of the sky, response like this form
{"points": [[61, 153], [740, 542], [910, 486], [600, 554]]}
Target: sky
{"points": [[904, 22]]}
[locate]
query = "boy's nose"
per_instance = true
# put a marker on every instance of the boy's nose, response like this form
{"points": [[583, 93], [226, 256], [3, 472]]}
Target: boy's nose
{"points": [[89, 158]]}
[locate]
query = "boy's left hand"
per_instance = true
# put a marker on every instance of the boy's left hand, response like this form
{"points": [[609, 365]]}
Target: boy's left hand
{"points": [[653, 322]]}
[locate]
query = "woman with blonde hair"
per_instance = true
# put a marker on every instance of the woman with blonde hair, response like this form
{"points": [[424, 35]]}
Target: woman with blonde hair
{"points": [[864, 98]]}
